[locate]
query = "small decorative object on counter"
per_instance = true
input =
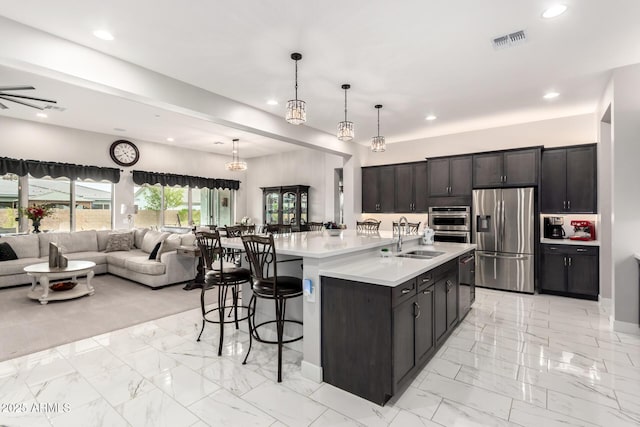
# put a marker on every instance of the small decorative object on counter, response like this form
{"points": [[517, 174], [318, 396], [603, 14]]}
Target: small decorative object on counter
{"points": [[427, 236], [333, 229], [385, 253]]}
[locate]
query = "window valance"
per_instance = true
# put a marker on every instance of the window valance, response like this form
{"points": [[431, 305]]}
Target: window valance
{"points": [[169, 179], [72, 171]]}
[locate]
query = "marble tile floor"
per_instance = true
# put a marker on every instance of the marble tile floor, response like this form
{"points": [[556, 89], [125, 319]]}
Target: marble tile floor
{"points": [[516, 360]]}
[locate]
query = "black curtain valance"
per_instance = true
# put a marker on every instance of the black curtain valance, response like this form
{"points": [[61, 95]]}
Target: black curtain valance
{"points": [[169, 179], [72, 171]]}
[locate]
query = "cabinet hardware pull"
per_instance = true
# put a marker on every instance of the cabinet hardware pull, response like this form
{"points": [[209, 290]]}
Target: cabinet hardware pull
{"points": [[568, 204], [426, 279], [553, 248], [406, 291], [565, 261], [581, 250], [564, 204], [569, 261], [427, 292], [415, 304]]}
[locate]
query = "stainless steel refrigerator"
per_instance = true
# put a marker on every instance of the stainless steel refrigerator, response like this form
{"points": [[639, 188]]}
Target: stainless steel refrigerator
{"points": [[503, 229]]}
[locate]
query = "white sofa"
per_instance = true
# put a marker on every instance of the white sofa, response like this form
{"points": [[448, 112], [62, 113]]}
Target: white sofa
{"points": [[134, 264]]}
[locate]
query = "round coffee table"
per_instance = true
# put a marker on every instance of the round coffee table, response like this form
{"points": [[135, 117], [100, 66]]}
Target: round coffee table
{"points": [[41, 273]]}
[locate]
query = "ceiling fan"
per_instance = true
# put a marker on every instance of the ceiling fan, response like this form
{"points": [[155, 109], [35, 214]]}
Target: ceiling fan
{"points": [[11, 97]]}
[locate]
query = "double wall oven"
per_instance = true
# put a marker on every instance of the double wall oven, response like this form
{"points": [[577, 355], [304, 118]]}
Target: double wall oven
{"points": [[451, 223]]}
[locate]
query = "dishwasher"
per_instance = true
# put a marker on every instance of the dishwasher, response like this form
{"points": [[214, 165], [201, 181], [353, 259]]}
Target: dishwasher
{"points": [[467, 279]]}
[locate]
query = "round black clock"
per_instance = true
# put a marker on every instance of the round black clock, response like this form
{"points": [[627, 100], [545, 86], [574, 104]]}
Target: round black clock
{"points": [[124, 153]]}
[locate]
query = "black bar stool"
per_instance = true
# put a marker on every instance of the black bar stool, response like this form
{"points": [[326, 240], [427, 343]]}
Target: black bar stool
{"points": [[266, 283], [225, 275]]}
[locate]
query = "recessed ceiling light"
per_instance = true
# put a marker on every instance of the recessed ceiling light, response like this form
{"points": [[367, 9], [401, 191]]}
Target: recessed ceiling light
{"points": [[551, 95], [103, 35], [218, 143], [43, 115], [272, 102], [553, 11], [170, 139], [119, 129], [430, 117]]}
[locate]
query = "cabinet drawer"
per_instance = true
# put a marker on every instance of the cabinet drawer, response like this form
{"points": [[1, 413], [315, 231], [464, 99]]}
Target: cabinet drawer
{"points": [[554, 249], [425, 280], [403, 292], [582, 250]]}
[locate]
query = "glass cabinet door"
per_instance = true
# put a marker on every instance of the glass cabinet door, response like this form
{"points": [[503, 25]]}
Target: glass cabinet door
{"points": [[272, 206], [303, 208], [289, 208]]}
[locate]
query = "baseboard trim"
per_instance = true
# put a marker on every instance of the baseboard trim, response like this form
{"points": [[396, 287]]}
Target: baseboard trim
{"points": [[626, 327], [311, 371]]}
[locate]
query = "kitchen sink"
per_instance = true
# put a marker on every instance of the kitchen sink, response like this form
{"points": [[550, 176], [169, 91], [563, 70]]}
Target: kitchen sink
{"points": [[419, 254]]}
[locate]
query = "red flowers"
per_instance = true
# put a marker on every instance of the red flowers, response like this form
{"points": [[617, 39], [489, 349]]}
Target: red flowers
{"points": [[37, 212]]}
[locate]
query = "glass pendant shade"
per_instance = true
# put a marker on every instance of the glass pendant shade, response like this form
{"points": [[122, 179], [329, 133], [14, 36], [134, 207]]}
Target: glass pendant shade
{"points": [[236, 164], [346, 130], [377, 142], [296, 111], [296, 108]]}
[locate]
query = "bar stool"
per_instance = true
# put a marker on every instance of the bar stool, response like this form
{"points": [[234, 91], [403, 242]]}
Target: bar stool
{"points": [[261, 253], [224, 275]]}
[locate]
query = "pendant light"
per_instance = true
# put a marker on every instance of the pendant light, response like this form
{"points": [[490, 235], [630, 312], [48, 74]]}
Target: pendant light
{"points": [[296, 108], [346, 131], [377, 142], [236, 164]]}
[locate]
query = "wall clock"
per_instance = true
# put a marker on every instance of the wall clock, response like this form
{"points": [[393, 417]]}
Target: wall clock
{"points": [[124, 153]]}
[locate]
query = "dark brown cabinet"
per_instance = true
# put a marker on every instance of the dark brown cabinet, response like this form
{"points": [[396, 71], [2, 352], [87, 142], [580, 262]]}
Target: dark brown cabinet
{"points": [[378, 189], [450, 176], [376, 338], [568, 182], [411, 187], [570, 270], [286, 205], [511, 168]]}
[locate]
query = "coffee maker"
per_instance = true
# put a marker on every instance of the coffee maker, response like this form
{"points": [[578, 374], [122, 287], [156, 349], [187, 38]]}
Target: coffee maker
{"points": [[553, 227], [583, 230]]}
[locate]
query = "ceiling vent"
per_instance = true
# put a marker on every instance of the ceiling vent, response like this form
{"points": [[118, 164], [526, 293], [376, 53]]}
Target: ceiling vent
{"points": [[509, 40], [54, 108]]}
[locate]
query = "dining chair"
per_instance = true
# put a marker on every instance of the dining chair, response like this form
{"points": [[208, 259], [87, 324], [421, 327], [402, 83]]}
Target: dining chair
{"points": [[413, 227], [315, 226], [223, 275], [368, 224], [267, 284]]}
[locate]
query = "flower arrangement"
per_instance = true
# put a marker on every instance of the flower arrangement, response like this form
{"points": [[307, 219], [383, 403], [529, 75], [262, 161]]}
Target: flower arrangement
{"points": [[37, 212]]}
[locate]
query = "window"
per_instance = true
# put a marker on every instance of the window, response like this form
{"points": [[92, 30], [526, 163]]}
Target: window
{"points": [[93, 205], [223, 206], [176, 203], [56, 193], [9, 203], [148, 198]]}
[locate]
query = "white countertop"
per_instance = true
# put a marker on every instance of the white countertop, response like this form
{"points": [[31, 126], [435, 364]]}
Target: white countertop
{"points": [[567, 241], [393, 271], [318, 244]]}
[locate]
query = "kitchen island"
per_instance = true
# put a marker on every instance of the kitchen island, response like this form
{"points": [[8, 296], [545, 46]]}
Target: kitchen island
{"points": [[350, 256]]}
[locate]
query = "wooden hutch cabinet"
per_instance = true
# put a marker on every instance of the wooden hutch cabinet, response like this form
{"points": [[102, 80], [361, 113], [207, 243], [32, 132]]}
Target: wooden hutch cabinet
{"points": [[287, 204]]}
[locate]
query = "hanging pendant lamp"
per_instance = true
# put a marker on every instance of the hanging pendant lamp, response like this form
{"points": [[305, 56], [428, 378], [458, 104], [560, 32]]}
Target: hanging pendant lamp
{"points": [[346, 132], [236, 164], [296, 108], [377, 142]]}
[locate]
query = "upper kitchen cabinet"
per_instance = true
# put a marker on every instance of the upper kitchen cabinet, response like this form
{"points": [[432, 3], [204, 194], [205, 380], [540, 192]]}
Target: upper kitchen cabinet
{"points": [[568, 182], [512, 168], [411, 187], [378, 189], [448, 178]]}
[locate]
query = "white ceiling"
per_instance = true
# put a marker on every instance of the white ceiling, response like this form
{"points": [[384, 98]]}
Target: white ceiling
{"points": [[415, 57]]}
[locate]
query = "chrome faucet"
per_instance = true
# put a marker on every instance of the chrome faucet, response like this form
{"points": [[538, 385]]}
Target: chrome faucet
{"points": [[406, 229]]}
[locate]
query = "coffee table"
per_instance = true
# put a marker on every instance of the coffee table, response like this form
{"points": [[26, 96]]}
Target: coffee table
{"points": [[41, 274]]}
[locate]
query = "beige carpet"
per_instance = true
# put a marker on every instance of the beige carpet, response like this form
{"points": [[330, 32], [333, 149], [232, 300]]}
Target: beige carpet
{"points": [[26, 326]]}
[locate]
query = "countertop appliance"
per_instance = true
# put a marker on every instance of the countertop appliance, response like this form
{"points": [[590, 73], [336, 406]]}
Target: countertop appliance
{"points": [[504, 232], [583, 230], [467, 288], [553, 227], [450, 223]]}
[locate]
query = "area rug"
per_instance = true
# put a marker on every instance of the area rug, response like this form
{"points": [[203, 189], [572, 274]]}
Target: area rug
{"points": [[26, 326]]}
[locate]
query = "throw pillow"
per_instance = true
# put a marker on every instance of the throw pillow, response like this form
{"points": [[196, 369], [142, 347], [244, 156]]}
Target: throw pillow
{"points": [[151, 239], [154, 252], [119, 242], [6, 252], [138, 235], [170, 244]]}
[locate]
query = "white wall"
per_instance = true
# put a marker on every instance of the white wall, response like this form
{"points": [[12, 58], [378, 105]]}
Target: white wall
{"points": [[301, 167], [626, 196], [549, 133], [23, 139]]}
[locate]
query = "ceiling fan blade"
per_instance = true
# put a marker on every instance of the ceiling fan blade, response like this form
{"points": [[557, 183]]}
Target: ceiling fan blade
{"points": [[27, 97], [2, 106], [21, 102], [16, 88]]}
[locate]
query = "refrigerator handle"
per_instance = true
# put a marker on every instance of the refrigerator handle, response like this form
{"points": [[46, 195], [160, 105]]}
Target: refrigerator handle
{"points": [[503, 219]]}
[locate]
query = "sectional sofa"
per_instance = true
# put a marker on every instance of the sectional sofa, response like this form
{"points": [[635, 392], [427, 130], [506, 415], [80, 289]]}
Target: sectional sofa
{"points": [[165, 267]]}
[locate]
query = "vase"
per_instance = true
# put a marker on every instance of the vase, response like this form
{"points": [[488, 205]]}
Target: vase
{"points": [[36, 225]]}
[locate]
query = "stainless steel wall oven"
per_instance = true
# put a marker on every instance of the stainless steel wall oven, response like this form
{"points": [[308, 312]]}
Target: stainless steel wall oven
{"points": [[451, 223]]}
